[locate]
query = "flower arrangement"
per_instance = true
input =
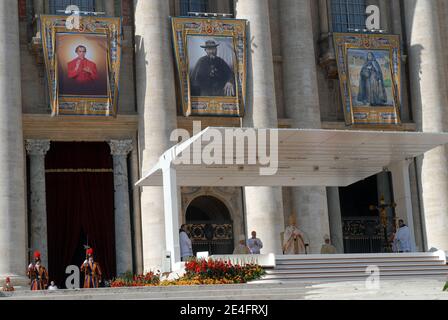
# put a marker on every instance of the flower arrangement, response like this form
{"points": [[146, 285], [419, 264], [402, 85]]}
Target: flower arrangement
{"points": [[222, 271], [130, 280], [198, 272]]}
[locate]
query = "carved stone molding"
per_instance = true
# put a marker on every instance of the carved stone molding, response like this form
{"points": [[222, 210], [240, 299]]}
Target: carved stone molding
{"points": [[120, 147], [327, 59], [42, 126], [37, 147]]}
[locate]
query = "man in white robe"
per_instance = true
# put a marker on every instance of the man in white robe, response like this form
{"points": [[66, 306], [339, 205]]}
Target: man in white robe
{"points": [[403, 240], [294, 239]]}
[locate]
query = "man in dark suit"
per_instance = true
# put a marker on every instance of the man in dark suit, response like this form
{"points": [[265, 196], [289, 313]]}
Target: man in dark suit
{"points": [[212, 76]]}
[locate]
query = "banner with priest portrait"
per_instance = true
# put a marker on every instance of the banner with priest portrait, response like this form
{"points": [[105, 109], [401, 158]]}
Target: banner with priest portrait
{"points": [[83, 64], [211, 64]]}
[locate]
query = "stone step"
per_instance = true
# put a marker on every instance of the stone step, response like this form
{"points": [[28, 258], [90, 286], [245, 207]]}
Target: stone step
{"points": [[260, 291], [442, 270], [323, 279], [359, 265], [397, 273], [184, 288], [353, 266], [407, 287], [423, 255], [349, 260]]}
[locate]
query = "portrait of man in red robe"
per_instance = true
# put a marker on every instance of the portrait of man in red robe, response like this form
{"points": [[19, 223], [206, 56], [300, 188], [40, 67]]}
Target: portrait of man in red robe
{"points": [[80, 69], [82, 65]]}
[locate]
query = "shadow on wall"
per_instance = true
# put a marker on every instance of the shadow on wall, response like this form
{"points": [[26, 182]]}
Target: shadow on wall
{"points": [[249, 106], [140, 77]]}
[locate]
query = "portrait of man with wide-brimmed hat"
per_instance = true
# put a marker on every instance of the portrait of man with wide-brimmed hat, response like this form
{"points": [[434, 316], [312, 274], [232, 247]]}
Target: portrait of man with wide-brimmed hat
{"points": [[212, 75]]}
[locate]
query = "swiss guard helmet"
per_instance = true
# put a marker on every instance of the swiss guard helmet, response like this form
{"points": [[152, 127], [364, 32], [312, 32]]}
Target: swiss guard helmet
{"points": [[89, 252], [36, 256]]}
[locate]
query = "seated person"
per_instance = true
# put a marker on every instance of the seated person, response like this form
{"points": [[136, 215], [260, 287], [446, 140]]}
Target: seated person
{"points": [[242, 248]]}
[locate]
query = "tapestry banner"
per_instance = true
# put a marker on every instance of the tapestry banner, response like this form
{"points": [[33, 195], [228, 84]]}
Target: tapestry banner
{"points": [[83, 64], [211, 65], [369, 67]]}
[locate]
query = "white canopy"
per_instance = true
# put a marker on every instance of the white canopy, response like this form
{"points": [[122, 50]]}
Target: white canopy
{"points": [[305, 158]]}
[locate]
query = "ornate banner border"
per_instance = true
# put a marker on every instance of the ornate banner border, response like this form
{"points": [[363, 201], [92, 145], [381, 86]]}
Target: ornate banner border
{"points": [[374, 116], [210, 106], [50, 25]]}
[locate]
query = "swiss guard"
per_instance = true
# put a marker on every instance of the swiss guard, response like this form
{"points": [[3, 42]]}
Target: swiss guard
{"points": [[92, 271], [37, 274], [8, 287]]}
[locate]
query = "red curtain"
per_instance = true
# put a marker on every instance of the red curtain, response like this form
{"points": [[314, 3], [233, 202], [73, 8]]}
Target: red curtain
{"points": [[79, 203]]}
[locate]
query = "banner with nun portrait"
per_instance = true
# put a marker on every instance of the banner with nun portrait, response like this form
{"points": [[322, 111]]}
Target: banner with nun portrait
{"points": [[83, 64], [211, 64], [369, 67]]}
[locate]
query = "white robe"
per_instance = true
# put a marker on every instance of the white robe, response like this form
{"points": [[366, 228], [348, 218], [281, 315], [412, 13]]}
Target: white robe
{"points": [[403, 240], [255, 245], [293, 241], [186, 247], [242, 249]]}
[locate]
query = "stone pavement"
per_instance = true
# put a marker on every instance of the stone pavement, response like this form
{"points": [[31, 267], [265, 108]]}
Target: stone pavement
{"points": [[403, 289]]}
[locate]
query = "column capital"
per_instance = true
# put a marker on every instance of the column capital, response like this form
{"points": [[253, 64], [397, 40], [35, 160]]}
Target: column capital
{"points": [[409, 160], [121, 147], [37, 147]]}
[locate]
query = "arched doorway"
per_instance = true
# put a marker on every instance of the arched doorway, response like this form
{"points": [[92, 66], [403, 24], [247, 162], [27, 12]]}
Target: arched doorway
{"points": [[210, 226]]}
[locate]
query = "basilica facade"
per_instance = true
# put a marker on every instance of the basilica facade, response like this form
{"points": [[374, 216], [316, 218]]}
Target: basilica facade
{"points": [[68, 181]]}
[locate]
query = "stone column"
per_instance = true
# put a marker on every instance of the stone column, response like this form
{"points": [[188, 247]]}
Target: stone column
{"points": [[395, 14], [324, 17], [123, 238], [383, 184], [109, 8], [335, 218], [419, 227], [13, 226], [402, 195], [39, 7], [264, 205], [396, 27], [37, 149], [303, 108], [429, 99], [384, 6], [137, 217], [156, 100]]}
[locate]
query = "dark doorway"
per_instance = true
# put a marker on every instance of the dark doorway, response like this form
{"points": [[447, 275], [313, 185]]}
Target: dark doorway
{"points": [[80, 207], [210, 226], [362, 232]]}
